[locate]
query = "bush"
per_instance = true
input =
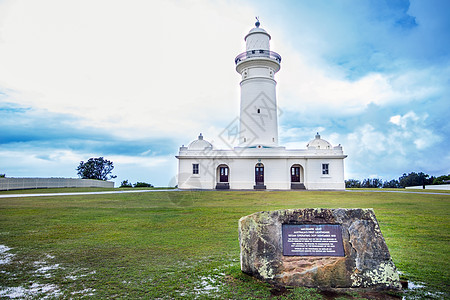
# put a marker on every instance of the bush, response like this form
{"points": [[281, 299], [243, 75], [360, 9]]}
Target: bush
{"points": [[352, 183], [366, 183], [125, 184], [444, 179], [142, 184], [393, 184], [372, 183]]}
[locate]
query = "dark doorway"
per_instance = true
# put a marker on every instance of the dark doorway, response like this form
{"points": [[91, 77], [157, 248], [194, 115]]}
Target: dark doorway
{"points": [[295, 174], [223, 174], [222, 177], [296, 177], [259, 174]]}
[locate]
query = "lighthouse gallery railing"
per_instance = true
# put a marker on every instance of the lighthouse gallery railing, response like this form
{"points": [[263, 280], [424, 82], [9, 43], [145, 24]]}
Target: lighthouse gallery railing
{"points": [[257, 53]]}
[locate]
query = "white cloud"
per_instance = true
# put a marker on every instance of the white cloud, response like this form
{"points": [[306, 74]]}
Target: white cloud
{"points": [[146, 70], [411, 130], [368, 140], [134, 67], [142, 69], [413, 127], [401, 146], [44, 162], [403, 121], [33, 162], [396, 120], [303, 133], [142, 161], [309, 87]]}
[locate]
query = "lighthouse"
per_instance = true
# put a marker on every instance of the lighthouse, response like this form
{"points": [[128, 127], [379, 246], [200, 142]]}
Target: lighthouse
{"points": [[257, 161], [258, 107]]}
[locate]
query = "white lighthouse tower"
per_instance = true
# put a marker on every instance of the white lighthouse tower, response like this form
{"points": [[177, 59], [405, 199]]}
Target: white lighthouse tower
{"points": [[258, 111], [258, 161]]}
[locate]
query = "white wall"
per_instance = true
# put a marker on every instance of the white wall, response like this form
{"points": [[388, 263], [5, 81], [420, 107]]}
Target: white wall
{"points": [[42, 183], [276, 173], [315, 180], [258, 128], [445, 187]]}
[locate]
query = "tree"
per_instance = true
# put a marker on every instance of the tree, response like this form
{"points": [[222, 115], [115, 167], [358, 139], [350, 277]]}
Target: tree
{"points": [[377, 183], [443, 179], [96, 168], [352, 183], [372, 183], [142, 184], [430, 180], [414, 179], [126, 184], [393, 184]]}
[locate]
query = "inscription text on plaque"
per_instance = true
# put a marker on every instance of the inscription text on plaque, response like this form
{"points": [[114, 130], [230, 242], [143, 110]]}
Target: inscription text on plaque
{"points": [[312, 240]]}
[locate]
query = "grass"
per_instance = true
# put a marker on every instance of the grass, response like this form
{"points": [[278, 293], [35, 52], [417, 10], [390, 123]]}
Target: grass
{"points": [[56, 190], [185, 244], [428, 190], [78, 190]]}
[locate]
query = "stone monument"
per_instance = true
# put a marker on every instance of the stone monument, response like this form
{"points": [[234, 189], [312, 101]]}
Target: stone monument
{"points": [[323, 248]]}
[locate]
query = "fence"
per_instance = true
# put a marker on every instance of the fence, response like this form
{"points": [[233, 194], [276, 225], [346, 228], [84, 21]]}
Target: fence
{"points": [[43, 183], [431, 187]]}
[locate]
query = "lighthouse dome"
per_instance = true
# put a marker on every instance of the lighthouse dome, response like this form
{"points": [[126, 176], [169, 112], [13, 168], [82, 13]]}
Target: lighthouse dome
{"points": [[200, 144], [319, 143], [257, 39], [257, 30]]}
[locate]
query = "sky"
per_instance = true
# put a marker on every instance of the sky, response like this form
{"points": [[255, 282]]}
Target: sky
{"points": [[132, 81]]}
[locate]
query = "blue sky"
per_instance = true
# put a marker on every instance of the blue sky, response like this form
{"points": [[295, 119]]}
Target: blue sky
{"points": [[134, 80]]}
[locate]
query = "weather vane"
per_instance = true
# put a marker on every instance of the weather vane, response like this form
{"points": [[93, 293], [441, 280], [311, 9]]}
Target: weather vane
{"points": [[257, 22]]}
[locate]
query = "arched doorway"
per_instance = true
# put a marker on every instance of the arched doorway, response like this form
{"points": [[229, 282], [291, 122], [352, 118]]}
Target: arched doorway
{"points": [[259, 177], [222, 176], [296, 173], [223, 173]]}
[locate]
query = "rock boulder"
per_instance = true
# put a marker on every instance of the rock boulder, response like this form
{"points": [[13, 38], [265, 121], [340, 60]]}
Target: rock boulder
{"points": [[366, 262]]}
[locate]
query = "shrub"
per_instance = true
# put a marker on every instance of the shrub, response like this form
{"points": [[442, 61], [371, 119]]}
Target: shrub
{"points": [[442, 179], [393, 184], [352, 183], [125, 184], [142, 184]]}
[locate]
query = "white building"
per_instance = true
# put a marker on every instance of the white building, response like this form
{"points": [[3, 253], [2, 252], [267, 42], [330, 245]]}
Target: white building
{"points": [[258, 162]]}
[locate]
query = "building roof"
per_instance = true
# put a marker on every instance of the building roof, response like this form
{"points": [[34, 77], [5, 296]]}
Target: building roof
{"points": [[319, 143], [257, 30], [199, 144]]}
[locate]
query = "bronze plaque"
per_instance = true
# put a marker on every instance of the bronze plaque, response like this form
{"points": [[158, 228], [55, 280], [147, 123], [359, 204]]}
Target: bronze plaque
{"points": [[312, 240]]}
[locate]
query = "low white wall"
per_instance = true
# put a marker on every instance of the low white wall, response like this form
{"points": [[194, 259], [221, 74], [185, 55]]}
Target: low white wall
{"points": [[42, 183], [445, 187]]}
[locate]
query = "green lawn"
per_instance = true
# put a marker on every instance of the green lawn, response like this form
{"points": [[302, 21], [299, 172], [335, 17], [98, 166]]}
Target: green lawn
{"points": [[77, 190], [185, 244]]}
